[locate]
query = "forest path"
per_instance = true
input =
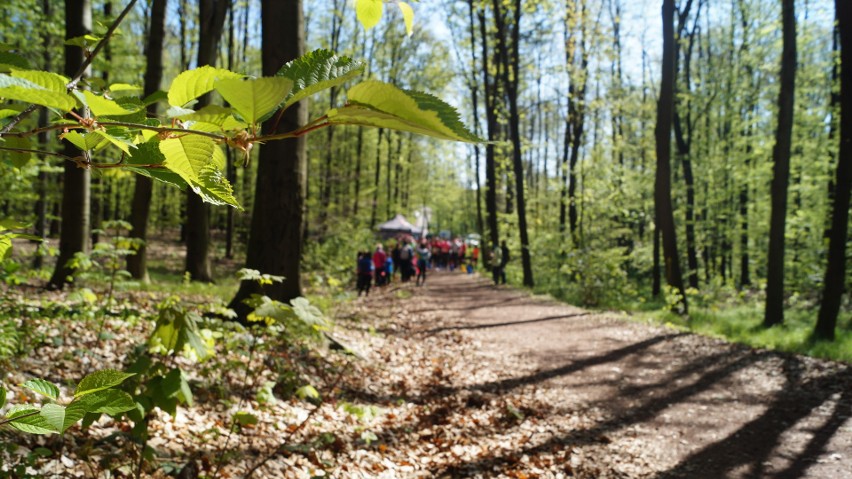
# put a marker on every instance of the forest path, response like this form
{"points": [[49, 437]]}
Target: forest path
{"points": [[624, 399]]}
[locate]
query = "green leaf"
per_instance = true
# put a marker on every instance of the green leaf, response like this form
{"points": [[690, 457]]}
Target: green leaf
{"points": [[195, 159], [368, 12], [47, 80], [317, 71], [42, 387], [308, 313], [26, 91], [378, 104], [213, 114], [9, 60], [106, 401], [59, 418], [17, 158], [88, 141], [187, 155], [407, 16], [100, 380], [149, 155], [2, 396], [33, 424], [5, 245], [214, 188], [104, 106], [191, 84], [83, 41], [307, 392], [245, 418], [117, 137], [120, 90], [254, 98]]}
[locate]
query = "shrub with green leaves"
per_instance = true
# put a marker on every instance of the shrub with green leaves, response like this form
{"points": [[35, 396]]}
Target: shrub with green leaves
{"points": [[95, 395]]}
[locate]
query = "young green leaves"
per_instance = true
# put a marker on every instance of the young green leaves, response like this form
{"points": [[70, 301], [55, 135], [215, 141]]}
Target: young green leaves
{"points": [[94, 395], [382, 105], [369, 13]]}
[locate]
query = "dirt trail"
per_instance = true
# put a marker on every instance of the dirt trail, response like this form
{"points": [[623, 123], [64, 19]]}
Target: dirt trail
{"points": [[632, 400]]}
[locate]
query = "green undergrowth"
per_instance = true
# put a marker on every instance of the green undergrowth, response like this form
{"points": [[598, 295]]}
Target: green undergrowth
{"points": [[717, 311], [743, 324]]}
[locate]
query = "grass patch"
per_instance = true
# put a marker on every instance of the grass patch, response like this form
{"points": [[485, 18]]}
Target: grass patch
{"points": [[743, 324]]}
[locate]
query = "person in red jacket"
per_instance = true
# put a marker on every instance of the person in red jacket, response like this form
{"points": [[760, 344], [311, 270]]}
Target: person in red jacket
{"points": [[379, 258]]}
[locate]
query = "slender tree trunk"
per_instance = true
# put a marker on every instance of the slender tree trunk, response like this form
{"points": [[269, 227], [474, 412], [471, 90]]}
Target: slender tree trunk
{"points": [[43, 140], [231, 167], [490, 95], [359, 149], [835, 273], [275, 240], [211, 14], [662, 133], [510, 54], [774, 313], [76, 193], [375, 211], [137, 264]]}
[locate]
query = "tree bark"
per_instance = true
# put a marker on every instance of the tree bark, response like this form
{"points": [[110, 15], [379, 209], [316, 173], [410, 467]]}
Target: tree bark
{"points": [[137, 264], [774, 312], [490, 95], [275, 240], [76, 193], [510, 54], [835, 272], [211, 14], [662, 133]]}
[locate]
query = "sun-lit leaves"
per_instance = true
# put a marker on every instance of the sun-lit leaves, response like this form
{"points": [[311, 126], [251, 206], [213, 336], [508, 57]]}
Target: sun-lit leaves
{"points": [[25, 90], [187, 154], [369, 12], [28, 419], [191, 84], [317, 71], [407, 16], [378, 104], [256, 97], [103, 106], [100, 380], [45, 388]]}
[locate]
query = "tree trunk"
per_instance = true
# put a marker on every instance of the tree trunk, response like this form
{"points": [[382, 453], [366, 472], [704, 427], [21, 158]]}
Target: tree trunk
{"points": [[835, 273], [774, 312], [43, 140], [211, 15], [74, 236], [490, 96], [275, 240], [662, 133], [137, 264], [510, 54]]}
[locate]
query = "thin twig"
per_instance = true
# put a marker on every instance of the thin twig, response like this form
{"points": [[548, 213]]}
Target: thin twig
{"points": [[101, 44], [38, 152], [163, 129]]}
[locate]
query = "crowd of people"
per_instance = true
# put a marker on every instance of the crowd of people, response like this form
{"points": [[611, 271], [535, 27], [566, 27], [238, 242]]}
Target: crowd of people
{"points": [[411, 258]]}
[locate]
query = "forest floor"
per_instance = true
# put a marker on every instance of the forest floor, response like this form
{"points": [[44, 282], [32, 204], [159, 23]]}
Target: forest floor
{"points": [[464, 379]]}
